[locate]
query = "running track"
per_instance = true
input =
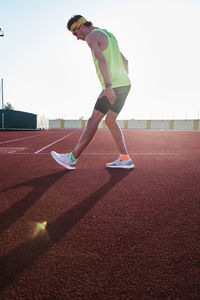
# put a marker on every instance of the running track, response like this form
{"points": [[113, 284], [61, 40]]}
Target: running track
{"points": [[110, 234]]}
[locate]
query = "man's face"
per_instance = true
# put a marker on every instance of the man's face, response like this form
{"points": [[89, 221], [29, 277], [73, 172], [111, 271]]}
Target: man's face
{"points": [[78, 33]]}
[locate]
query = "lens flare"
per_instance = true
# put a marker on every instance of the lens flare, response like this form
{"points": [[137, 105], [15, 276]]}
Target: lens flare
{"points": [[39, 228], [41, 225]]}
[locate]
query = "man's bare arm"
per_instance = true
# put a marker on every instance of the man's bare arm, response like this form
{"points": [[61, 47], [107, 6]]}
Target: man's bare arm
{"points": [[93, 42], [103, 66]]}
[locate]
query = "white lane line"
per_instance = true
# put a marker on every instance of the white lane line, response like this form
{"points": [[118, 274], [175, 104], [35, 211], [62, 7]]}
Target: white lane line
{"points": [[106, 153], [54, 142], [12, 148], [28, 137], [133, 153]]}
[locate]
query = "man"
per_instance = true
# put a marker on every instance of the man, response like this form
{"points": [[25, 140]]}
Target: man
{"points": [[112, 70]]}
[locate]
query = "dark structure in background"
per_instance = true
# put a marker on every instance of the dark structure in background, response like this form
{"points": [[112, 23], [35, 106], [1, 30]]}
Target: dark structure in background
{"points": [[13, 119]]}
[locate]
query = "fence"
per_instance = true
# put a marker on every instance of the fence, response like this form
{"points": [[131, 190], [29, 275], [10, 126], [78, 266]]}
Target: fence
{"points": [[132, 124]]}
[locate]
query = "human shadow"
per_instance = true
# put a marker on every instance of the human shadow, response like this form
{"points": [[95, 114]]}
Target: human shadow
{"points": [[23, 256], [39, 186]]}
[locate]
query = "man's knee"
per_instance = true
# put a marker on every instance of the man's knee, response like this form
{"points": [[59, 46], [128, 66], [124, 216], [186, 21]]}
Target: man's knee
{"points": [[110, 121], [93, 122]]}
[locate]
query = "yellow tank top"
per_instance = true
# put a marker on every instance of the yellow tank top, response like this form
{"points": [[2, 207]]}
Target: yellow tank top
{"points": [[117, 73]]}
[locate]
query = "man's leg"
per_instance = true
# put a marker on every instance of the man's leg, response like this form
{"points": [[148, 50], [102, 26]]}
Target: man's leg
{"points": [[88, 133], [68, 160], [116, 131], [124, 161]]}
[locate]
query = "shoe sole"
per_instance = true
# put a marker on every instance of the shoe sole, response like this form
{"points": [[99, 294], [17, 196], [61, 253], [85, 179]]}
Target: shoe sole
{"points": [[121, 167], [54, 155]]}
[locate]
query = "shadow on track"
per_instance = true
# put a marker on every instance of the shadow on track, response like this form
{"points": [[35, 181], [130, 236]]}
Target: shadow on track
{"points": [[20, 258], [39, 186]]}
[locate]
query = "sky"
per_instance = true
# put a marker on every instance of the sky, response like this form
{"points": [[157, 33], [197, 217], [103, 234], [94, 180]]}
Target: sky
{"points": [[47, 71]]}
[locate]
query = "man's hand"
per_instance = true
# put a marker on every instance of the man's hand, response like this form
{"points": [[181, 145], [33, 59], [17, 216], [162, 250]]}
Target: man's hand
{"points": [[109, 94]]}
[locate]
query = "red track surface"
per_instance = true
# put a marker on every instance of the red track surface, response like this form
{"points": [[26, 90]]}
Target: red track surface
{"points": [[110, 234]]}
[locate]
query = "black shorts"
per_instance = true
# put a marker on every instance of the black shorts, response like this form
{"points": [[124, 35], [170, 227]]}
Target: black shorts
{"points": [[103, 104]]}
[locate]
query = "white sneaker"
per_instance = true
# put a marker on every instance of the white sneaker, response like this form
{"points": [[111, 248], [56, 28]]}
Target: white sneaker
{"points": [[121, 163], [64, 160]]}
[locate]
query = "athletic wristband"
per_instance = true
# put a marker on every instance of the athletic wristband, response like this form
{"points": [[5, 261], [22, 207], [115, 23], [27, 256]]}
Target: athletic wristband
{"points": [[107, 84]]}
